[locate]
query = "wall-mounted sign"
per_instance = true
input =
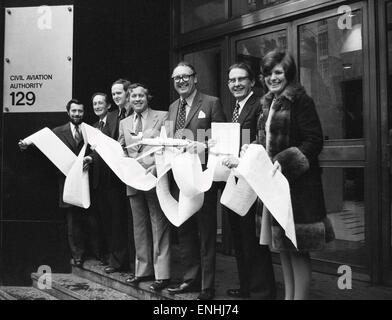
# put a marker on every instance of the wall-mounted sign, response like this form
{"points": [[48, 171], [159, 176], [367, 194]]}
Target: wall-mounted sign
{"points": [[38, 51]]}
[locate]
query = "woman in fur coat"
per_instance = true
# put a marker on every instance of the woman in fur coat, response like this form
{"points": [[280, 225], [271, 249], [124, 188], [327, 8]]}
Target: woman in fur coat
{"points": [[290, 130]]}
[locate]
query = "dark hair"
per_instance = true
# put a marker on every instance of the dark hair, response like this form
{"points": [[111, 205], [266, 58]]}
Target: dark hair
{"points": [[126, 83], [244, 66], [272, 58], [101, 94], [75, 101], [137, 84], [186, 64]]}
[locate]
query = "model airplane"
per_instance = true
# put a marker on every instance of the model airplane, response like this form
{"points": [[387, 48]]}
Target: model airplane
{"points": [[160, 143]]}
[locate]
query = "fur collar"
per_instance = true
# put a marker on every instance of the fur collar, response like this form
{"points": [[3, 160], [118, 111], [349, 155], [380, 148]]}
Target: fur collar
{"points": [[291, 93]]}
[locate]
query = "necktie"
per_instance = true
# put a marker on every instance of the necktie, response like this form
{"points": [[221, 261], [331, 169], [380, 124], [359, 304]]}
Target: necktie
{"points": [[138, 123], [236, 112], [122, 114], [101, 125], [78, 136], [181, 118]]}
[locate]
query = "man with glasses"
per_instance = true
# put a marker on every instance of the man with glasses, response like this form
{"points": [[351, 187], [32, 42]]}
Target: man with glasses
{"points": [[193, 112], [254, 263]]}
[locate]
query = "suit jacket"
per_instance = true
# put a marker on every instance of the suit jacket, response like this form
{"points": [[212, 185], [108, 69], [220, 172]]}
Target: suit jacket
{"points": [[248, 119], [65, 134], [102, 174], [204, 110], [151, 129]]}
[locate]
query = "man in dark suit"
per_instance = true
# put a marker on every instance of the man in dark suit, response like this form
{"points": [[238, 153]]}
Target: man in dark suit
{"points": [[109, 193], [120, 95], [190, 116], [71, 135], [253, 261]]}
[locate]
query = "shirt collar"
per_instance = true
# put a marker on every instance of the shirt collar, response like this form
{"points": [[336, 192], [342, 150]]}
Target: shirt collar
{"points": [[143, 114], [244, 101], [190, 98], [104, 119]]}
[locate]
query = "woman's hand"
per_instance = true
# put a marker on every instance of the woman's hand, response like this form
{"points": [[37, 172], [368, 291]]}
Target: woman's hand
{"points": [[231, 162], [86, 162]]}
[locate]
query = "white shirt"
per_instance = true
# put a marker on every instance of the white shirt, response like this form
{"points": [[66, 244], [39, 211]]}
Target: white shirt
{"points": [[73, 129], [103, 120], [189, 102], [243, 102]]}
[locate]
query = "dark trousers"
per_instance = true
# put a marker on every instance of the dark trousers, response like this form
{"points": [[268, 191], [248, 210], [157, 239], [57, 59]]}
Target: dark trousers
{"points": [[197, 239], [113, 223], [76, 220], [254, 261]]}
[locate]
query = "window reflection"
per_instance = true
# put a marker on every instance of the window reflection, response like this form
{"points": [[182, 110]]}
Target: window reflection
{"points": [[389, 28], [240, 7], [331, 70], [201, 13], [252, 50], [208, 66], [344, 197]]}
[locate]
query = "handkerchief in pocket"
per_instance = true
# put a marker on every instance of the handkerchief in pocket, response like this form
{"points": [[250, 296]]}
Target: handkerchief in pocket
{"points": [[202, 115]]}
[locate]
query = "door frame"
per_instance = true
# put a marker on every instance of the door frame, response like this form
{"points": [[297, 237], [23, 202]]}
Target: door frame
{"points": [[366, 150], [386, 145]]}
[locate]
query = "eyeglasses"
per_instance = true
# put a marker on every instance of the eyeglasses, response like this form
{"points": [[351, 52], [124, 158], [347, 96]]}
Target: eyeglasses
{"points": [[240, 79], [184, 77]]}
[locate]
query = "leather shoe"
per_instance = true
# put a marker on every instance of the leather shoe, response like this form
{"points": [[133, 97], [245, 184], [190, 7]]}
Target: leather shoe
{"points": [[103, 262], [237, 293], [78, 263], [110, 269], [206, 294], [186, 286], [134, 280], [158, 285]]}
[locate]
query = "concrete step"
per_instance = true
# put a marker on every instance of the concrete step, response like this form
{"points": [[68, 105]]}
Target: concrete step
{"points": [[72, 287], [23, 293], [91, 270]]}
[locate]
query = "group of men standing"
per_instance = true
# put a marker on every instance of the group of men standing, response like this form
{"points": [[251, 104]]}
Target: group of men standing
{"points": [[192, 111]]}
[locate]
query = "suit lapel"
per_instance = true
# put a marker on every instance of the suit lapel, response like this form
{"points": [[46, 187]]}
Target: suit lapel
{"points": [[170, 123], [111, 124], [194, 108], [67, 133], [151, 121], [247, 108]]}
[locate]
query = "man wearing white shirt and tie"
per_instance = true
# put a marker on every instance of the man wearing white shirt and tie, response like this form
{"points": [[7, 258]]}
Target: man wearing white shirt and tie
{"points": [[254, 263]]}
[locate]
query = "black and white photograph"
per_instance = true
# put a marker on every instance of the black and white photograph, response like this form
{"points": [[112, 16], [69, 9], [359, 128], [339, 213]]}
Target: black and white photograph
{"points": [[214, 151]]}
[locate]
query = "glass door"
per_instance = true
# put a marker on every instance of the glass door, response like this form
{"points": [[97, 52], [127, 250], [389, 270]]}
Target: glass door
{"points": [[332, 66], [210, 63], [385, 28]]}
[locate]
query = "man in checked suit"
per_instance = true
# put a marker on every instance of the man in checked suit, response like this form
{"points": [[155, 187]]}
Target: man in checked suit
{"points": [[151, 227], [109, 194], [71, 135], [193, 112], [253, 261]]}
